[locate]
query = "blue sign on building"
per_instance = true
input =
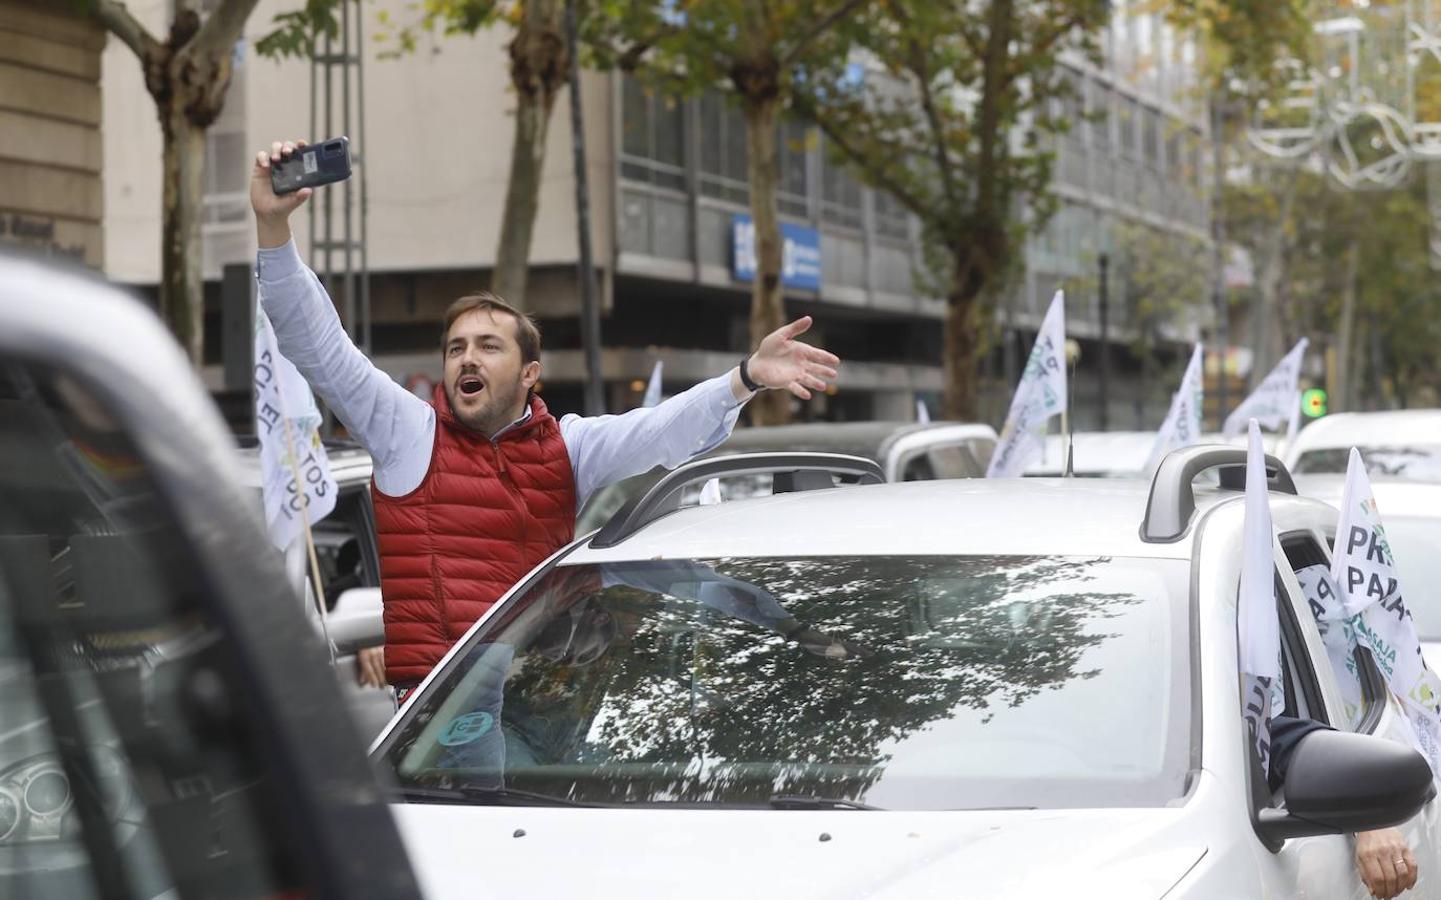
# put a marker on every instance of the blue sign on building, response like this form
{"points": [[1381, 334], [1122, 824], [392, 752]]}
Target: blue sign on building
{"points": [[800, 253]]}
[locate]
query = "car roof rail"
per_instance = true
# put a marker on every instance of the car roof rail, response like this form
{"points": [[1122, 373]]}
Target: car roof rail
{"points": [[792, 472], [1173, 498]]}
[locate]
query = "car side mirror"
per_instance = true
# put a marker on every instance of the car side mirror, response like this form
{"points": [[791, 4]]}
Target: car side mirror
{"points": [[356, 622], [1343, 783]]}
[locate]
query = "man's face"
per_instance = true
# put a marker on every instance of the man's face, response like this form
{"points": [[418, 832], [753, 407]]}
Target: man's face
{"points": [[485, 381]]}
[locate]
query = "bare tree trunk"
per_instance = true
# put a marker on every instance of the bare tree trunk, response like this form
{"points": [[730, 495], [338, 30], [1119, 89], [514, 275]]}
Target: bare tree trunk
{"points": [[961, 345], [538, 60], [182, 284], [1346, 339], [762, 113], [1264, 313]]}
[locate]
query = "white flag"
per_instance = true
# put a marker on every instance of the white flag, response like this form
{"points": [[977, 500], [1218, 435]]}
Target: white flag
{"points": [[652, 390], [710, 493], [923, 415], [1040, 395], [1338, 633], [295, 472], [1258, 629], [1270, 403], [1182, 427], [1365, 573], [1293, 424]]}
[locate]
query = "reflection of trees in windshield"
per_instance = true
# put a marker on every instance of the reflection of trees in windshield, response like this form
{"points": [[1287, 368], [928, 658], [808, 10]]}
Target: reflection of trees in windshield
{"points": [[1421, 461], [692, 704]]}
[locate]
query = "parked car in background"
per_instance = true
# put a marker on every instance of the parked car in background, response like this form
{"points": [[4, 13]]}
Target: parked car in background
{"points": [[169, 725], [1022, 687], [1401, 443], [1411, 511], [905, 451], [349, 560]]}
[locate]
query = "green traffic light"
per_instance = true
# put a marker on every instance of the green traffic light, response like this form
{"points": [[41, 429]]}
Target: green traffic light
{"points": [[1313, 402]]}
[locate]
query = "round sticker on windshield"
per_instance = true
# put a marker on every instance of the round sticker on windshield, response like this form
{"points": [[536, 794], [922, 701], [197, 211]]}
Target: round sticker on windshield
{"points": [[466, 728]]}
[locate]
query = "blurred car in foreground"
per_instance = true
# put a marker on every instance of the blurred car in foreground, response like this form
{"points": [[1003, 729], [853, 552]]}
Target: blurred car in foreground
{"points": [[1400, 443], [1003, 688], [905, 451], [1412, 513], [169, 726]]}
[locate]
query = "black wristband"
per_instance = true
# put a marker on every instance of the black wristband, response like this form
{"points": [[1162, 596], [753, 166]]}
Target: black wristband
{"points": [[746, 377]]}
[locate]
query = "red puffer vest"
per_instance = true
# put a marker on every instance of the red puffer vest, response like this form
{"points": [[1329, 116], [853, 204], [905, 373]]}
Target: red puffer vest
{"points": [[486, 513]]}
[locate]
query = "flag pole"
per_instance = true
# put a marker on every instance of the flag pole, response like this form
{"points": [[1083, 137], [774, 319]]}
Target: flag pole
{"points": [[309, 539]]}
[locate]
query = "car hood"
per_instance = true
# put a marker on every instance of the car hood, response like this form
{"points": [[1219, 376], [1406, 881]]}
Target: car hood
{"points": [[460, 851]]}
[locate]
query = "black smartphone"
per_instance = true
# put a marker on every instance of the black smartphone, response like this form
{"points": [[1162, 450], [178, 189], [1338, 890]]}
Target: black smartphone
{"points": [[312, 166]]}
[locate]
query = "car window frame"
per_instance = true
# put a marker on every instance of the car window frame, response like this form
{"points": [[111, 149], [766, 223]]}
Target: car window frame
{"points": [[70, 321]]}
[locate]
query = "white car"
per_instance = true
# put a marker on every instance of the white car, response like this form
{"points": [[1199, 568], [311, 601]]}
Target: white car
{"points": [[1411, 511], [990, 688], [1403, 443]]}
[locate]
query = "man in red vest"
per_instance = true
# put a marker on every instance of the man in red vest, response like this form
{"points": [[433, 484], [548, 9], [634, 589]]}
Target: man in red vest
{"points": [[480, 484]]}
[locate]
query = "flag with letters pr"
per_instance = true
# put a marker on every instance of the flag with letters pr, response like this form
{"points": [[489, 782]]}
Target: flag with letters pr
{"points": [[1365, 573]]}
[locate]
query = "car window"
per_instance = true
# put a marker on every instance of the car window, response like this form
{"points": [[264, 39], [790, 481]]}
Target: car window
{"points": [[1354, 670], [898, 682], [345, 545], [126, 766], [1421, 462], [943, 461]]}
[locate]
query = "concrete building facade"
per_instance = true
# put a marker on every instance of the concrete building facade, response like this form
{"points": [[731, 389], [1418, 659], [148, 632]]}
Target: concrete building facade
{"points": [[51, 199]]}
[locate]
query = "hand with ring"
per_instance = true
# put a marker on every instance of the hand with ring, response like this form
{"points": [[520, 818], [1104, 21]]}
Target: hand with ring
{"points": [[1385, 862]]}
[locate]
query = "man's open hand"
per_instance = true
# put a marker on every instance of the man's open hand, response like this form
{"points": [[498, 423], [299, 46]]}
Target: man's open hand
{"points": [[272, 210], [370, 667], [784, 362]]}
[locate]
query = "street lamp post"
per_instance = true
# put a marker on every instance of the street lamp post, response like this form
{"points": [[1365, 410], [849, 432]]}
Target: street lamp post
{"points": [[1105, 262], [589, 302]]}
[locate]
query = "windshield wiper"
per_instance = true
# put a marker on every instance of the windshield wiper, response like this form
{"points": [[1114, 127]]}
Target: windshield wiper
{"points": [[805, 801], [482, 796]]}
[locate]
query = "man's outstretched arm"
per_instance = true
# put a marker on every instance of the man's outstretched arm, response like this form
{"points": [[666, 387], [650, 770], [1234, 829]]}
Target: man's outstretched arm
{"points": [[606, 449], [394, 425]]}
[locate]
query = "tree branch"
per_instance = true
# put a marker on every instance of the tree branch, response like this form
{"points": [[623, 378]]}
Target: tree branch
{"points": [[882, 179], [119, 22], [826, 23], [225, 26]]}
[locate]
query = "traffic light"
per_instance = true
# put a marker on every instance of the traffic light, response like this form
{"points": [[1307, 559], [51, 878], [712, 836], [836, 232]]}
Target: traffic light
{"points": [[1313, 402]]}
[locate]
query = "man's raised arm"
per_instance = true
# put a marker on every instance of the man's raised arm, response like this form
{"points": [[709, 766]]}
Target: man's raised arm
{"points": [[606, 449], [394, 425]]}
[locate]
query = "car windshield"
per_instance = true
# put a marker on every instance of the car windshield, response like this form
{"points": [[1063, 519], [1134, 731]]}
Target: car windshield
{"points": [[1421, 462], [1414, 542], [896, 682]]}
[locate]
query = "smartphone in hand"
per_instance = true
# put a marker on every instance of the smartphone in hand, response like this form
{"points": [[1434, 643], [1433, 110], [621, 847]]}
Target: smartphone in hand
{"points": [[312, 166]]}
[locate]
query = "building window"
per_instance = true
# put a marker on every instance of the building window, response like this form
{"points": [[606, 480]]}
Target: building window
{"points": [[792, 161], [1099, 112], [1151, 138], [723, 154], [1127, 113], [892, 217], [841, 196], [652, 138]]}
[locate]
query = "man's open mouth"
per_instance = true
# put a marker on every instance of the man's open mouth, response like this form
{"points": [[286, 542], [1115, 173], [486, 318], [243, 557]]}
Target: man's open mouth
{"points": [[470, 385]]}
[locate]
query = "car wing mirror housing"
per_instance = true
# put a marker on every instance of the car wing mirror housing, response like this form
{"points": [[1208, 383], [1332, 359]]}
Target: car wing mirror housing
{"points": [[1341, 783], [357, 620]]}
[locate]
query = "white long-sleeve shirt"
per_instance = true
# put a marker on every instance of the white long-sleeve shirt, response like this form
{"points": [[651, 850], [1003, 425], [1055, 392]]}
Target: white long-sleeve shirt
{"points": [[398, 428]]}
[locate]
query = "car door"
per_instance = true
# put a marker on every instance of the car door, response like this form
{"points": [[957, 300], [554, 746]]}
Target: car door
{"points": [[168, 726]]}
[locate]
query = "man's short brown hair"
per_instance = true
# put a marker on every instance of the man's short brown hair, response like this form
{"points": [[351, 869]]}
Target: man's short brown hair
{"points": [[527, 333]]}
